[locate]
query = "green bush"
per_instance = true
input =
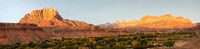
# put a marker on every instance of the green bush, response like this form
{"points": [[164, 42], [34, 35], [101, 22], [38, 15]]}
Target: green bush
{"points": [[169, 43], [103, 47], [135, 43]]}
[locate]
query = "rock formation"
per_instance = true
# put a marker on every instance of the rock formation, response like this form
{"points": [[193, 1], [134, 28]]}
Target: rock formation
{"points": [[11, 33], [163, 21], [188, 43], [49, 17]]}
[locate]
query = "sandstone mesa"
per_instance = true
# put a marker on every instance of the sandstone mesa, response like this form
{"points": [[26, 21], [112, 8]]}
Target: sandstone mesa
{"points": [[49, 17], [163, 21]]}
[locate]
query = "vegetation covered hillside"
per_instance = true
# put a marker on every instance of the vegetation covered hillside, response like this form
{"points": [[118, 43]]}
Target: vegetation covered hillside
{"points": [[136, 41]]}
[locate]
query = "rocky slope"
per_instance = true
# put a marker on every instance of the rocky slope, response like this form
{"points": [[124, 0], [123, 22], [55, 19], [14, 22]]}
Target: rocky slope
{"points": [[49, 17], [22, 33], [163, 21]]}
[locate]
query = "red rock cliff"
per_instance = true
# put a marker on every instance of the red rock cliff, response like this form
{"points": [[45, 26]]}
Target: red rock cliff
{"points": [[49, 17]]}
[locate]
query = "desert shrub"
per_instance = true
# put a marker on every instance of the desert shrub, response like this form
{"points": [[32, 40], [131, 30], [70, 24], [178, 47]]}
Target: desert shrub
{"points": [[103, 47], [135, 43], [118, 46], [80, 42], [43, 45], [75, 47], [31, 44], [143, 42], [169, 43], [129, 42]]}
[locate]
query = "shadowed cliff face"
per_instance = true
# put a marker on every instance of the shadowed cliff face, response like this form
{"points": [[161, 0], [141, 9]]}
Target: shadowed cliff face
{"points": [[22, 33], [49, 17], [163, 21]]}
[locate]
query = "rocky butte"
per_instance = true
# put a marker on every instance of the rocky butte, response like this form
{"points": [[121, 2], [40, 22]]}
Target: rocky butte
{"points": [[49, 17], [163, 21]]}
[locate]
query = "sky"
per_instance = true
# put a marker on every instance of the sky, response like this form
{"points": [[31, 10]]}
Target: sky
{"points": [[101, 11]]}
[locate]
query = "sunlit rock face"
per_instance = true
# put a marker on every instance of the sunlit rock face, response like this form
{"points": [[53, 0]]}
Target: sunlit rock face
{"points": [[163, 21], [49, 17]]}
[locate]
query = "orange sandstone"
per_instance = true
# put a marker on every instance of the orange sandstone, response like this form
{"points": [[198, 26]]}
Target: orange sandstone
{"points": [[163, 21], [49, 17]]}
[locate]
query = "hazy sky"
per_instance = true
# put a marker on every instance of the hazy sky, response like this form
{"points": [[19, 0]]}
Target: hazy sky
{"points": [[101, 11]]}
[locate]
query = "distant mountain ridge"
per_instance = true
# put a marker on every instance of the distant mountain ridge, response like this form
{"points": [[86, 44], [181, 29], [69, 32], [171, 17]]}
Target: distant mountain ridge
{"points": [[163, 21], [49, 17]]}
